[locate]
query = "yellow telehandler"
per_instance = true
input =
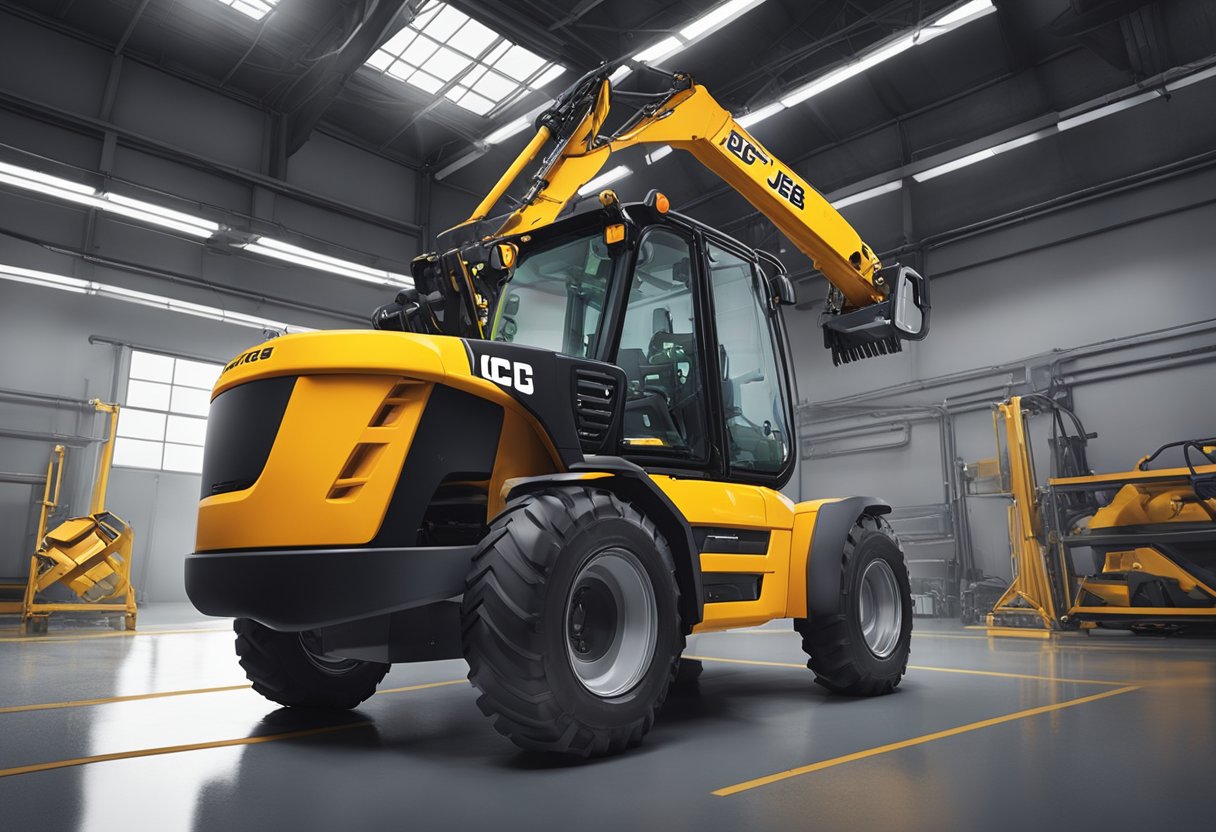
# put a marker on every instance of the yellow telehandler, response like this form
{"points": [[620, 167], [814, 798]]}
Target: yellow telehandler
{"points": [[559, 453]]}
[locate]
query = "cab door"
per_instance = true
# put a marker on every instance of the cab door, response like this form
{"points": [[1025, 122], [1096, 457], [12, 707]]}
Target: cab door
{"points": [[707, 414]]}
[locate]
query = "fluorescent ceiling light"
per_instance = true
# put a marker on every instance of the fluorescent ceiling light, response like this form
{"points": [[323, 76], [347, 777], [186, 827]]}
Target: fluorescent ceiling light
{"points": [[757, 116], [190, 225], [1023, 140], [69, 191], [322, 262], [257, 9], [51, 183], [1085, 116], [868, 194], [658, 153], [960, 15], [1106, 110], [37, 278], [457, 164], [156, 215], [667, 46], [1193, 78], [953, 19], [619, 74], [981, 155], [970, 159], [717, 17], [618, 172], [89, 287], [508, 130], [844, 73], [691, 32], [443, 49], [89, 199], [500, 135]]}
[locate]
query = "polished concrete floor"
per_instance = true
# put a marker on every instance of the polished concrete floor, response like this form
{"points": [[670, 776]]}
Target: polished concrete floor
{"points": [[157, 731]]}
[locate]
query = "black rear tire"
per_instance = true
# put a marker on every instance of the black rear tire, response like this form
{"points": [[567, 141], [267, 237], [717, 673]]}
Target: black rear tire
{"points": [[840, 657], [521, 626], [284, 670]]}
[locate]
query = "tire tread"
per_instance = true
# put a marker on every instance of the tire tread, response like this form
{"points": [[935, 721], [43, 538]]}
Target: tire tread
{"points": [[503, 639]]}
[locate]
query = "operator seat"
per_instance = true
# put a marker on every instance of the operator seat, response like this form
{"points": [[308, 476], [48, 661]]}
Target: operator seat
{"points": [[646, 405], [672, 349]]}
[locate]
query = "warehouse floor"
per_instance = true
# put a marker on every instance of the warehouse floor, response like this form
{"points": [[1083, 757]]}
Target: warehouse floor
{"points": [[158, 731]]}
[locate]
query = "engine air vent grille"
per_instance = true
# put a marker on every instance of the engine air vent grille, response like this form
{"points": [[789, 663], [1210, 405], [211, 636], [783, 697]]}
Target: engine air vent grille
{"points": [[596, 394]]}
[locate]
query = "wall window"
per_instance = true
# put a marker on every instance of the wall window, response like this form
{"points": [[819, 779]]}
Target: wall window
{"points": [[164, 416]]}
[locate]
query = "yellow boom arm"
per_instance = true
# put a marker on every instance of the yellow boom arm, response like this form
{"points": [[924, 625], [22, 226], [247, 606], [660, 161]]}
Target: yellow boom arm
{"points": [[692, 120]]}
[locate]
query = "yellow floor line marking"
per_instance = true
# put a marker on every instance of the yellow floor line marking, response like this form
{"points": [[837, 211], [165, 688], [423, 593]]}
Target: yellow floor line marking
{"points": [[895, 746], [201, 746], [176, 749], [932, 634], [423, 687], [81, 703], [54, 639], [918, 635], [1002, 675], [963, 670]]}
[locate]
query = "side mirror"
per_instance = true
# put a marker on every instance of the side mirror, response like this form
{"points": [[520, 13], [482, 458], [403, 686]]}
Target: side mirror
{"points": [[910, 304], [502, 256], [780, 287], [783, 289]]}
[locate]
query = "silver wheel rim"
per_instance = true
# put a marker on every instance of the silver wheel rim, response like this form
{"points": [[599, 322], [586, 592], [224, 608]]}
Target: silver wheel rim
{"points": [[611, 622], [880, 608], [331, 666]]}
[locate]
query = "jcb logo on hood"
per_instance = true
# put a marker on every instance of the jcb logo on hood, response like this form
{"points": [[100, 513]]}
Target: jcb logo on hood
{"points": [[252, 355], [515, 374]]}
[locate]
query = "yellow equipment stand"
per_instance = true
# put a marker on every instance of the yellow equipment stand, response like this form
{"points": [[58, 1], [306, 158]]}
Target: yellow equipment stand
{"points": [[1047, 596], [91, 555]]}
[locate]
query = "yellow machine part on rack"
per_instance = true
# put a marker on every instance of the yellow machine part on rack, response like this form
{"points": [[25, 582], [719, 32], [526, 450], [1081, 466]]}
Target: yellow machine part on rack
{"points": [[1047, 594], [90, 555]]}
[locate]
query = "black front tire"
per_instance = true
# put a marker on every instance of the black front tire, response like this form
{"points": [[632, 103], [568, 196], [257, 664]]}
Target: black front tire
{"points": [[284, 670], [518, 624], [840, 657]]}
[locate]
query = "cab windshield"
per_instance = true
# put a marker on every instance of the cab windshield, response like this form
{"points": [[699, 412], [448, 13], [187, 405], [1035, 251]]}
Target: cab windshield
{"points": [[555, 298]]}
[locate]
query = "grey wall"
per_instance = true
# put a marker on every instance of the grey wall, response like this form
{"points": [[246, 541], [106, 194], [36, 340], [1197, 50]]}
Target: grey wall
{"points": [[1130, 263]]}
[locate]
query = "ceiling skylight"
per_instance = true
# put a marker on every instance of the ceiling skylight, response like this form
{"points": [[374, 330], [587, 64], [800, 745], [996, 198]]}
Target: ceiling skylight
{"points": [[257, 9], [445, 48]]}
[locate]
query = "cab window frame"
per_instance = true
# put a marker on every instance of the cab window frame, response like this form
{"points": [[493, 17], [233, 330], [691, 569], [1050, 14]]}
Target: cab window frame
{"points": [[710, 465], [775, 325]]}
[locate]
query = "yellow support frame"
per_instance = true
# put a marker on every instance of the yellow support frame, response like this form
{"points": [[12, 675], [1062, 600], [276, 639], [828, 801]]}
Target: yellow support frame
{"points": [[116, 555], [1030, 590]]}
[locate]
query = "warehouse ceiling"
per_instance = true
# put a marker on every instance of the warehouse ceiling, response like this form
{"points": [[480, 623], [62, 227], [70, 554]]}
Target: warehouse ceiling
{"points": [[305, 58], [486, 63]]}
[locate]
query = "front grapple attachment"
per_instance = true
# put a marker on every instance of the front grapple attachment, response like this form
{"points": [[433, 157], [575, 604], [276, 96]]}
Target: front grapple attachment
{"points": [[881, 328]]}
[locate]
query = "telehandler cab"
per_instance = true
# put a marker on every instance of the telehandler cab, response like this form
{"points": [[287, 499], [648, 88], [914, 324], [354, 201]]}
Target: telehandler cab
{"points": [[559, 454]]}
